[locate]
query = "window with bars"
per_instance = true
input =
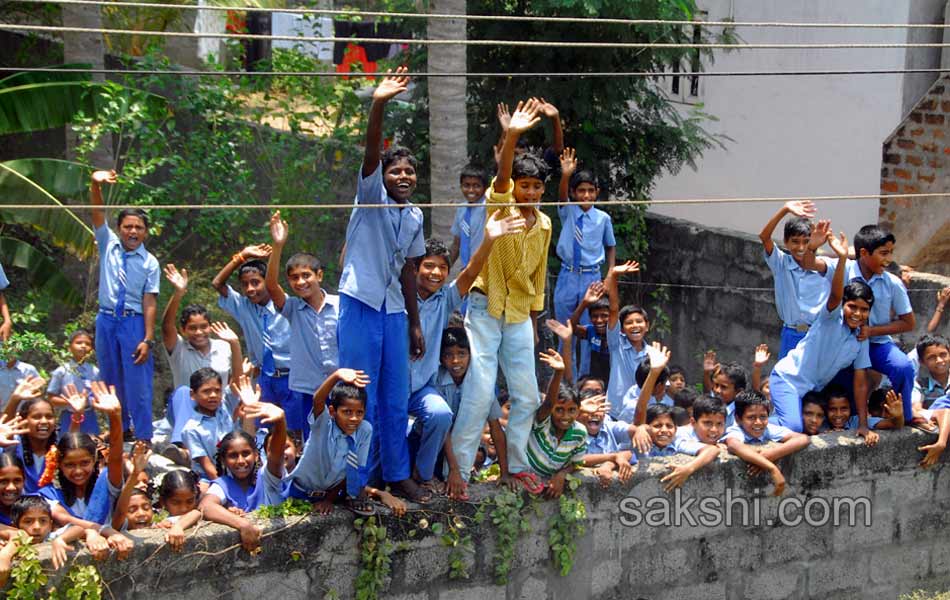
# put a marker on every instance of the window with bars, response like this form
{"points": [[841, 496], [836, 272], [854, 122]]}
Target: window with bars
{"points": [[682, 84]]}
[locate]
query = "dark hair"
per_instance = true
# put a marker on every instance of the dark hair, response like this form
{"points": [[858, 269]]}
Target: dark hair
{"points": [[686, 397], [434, 247], [80, 332], [179, 480], [749, 398], [677, 370], [567, 393], [28, 503], [394, 153], [9, 459], [601, 304], [522, 144], [870, 238], [454, 336], [253, 266], [629, 309], [643, 371], [190, 311], [799, 226], [203, 376], [655, 411], [302, 260], [858, 290], [835, 391], [927, 340], [474, 171], [680, 416], [817, 398], [131, 212], [345, 391], [77, 441], [23, 411], [583, 381], [708, 405], [225, 444], [583, 176], [876, 399], [736, 373], [585, 394], [529, 166]]}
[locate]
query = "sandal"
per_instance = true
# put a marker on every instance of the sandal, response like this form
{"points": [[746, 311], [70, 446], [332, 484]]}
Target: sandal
{"points": [[529, 481], [923, 425], [360, 506]]}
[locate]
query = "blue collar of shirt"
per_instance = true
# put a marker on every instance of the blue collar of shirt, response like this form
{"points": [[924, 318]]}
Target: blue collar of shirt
{"points": [[141, 251], [435, 295], [304, 305], [625, 343], [580, 212], [857, 274], [444, 378], [336, 434]]}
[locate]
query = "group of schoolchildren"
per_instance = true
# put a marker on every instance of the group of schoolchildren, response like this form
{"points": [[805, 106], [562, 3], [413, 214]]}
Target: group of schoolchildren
{"points": [[390, 389]]}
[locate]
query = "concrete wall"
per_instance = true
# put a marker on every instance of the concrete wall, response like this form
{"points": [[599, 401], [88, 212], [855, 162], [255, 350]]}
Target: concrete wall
{"points": [[800, 136], [905, 547]]}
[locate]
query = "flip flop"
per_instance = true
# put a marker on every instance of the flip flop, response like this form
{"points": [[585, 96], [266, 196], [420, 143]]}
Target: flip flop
{"points": [[359, 506], [923, 425], [530, 482], [409, 490]]}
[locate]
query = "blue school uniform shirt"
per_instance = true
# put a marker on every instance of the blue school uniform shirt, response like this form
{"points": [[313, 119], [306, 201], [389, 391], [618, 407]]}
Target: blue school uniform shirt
{"points": [[452, 394], [687, 442], [434, 313], [4, 282], [624, 360], [828, 347], [800, 293], [927, 389], [141, 271], [853, 422], [80, 376], [100, 505], [313, 349], [31, 474], [628, 408], [202, 433], [890, 296], [323, 462], [595, 355], [597, 233], [469, 227], [266, 491], [941, 402], [613, 436], [11, 376], [773, 433], [657, 452], [378, 242], [250, 317]]}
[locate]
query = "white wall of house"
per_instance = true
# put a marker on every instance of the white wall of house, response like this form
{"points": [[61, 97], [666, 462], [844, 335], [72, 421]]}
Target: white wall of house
{"points": [[803, 136]]}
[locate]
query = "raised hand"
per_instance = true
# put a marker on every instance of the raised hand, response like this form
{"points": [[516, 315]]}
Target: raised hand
{"points": [[76, 400], [140, 455], [224, 332], [392, 85], [660, 357], [762, 355], [525, 116], [28, 388], [893, 404], [551, 358], [504, 117], [178, 279], [561, 330], [595, 291], [257, 251], [246, 390], [498, 226], [709, 361], [547, 109], [265, 411], [10, 429], [595, 404], [568, 162], [943, 296], [839, 244], [801, 208], [353, 377], [104, 398], [631, 266], [819, 234], [278, 229], [101, 177]]}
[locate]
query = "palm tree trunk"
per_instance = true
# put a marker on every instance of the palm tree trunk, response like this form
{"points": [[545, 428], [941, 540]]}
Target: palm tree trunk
{"points": [[448, 125]]}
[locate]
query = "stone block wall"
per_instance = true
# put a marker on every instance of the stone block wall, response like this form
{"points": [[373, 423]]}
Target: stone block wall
{"points": [[779, 555]]}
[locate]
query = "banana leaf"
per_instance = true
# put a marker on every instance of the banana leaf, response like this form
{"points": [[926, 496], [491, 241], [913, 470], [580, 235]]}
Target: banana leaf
{"points": [[43, 273]]}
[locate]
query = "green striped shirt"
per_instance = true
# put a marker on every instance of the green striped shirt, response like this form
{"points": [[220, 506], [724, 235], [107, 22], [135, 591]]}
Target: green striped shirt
{"points": [[547, 455]]}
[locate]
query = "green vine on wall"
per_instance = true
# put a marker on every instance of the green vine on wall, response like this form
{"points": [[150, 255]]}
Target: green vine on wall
{"points": [[375, 558], [27, 578], [566, 527]]}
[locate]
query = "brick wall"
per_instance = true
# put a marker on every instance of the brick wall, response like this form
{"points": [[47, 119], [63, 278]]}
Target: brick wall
{"points": [[913, 162]]}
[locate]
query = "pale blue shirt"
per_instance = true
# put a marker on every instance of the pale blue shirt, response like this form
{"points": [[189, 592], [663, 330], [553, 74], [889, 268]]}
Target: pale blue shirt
{"points": [[434, 313], [598, 233], [853, 422], [323, 463], [248, 316], [773, 433], [474, 230], [11, 376], [889, 295], [657, 452], [452, 394], [141, 272], [613, 436], [378, 242], [313, 349], [799, 293], [687, 442], [202, 433], [624, 360], [4, 282], [629, 406], [828, 347]]}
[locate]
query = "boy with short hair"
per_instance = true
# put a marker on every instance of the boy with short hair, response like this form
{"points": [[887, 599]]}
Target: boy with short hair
{"points": [[814, 409], [685, 399], [594, 352], [677, 380], [728, 381], [933, 351], [266, 331], [503, 306], [841, 419], [609, 442], [662, 427], [651, 394], [468, 226], [752, 429], [699, 439], [800, 291], [128, 300], [210, 421]]}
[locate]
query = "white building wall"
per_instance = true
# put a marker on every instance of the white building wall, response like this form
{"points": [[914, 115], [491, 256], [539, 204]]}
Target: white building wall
{"points": [[799, 136]]}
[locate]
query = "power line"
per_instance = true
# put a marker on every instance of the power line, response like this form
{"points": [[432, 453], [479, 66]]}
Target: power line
{"points": [[525, 18], [693, 286], [491, 74], [495, 43]]}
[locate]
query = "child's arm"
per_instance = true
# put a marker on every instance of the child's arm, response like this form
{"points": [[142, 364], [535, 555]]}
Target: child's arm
{"points": [[680, 473], [228, 335], [95, 195], [407, 280], [658, 362], [212, 510], [140, 455], [6, 561], [279, 232], [395, 504], [391, 86], [149, 310], [790, 444], [29, 387], [934, 450], [893, 411], [495, 227], [942, 297], [500, 440], [524, 118], [595, 291], [762, 356], [565, 333], [351, 376], [803, 208], [752, 457], [613, 293], [175, 532], [709, 370], [552, 359], [840, 246], [504, 117], [568, 166], [819, 235], [550, 111], [270, 414], [455, 250], [861, 392], [220, 281], [106, 401], [179, 281], [6, 322]]}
